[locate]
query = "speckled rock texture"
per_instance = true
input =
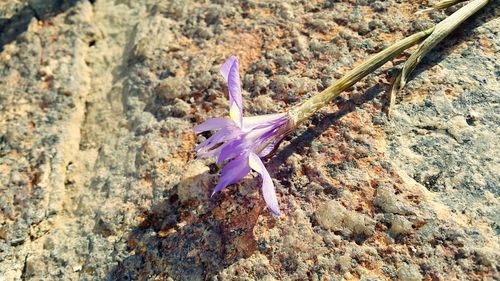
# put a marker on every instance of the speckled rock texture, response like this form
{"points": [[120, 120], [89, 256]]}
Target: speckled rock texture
{"points": [[98, 180]]}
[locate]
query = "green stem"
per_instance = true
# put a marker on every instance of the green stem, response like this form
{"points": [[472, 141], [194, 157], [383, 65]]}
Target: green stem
{"points": [[304, 110]]}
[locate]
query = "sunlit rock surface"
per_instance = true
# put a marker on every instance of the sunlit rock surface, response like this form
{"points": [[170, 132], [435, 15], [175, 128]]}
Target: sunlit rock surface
{"points": [[98, 180]]}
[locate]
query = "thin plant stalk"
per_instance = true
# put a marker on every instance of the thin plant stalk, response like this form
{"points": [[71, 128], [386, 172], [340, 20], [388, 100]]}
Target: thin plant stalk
{"points": [[441, 31], [441, 5], [445, 4]]}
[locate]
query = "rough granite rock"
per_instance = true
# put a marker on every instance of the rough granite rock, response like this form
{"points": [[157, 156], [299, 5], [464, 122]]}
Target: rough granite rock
{"points": [[98, 180]]}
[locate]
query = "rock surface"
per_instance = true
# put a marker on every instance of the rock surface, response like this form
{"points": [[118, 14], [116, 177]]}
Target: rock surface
{"points": [[98, 180]]}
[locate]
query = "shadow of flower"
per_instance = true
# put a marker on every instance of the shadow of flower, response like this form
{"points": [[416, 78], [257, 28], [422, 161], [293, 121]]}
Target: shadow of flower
{"points": [[192, 238]]}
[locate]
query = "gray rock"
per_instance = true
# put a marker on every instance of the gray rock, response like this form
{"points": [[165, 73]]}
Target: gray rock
{"points": [[389, 202], [334, 216], [172, 88], [408, 272]]}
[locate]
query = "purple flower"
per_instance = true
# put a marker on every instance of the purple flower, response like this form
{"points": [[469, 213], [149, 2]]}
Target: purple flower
{"points": [[242, 141]]}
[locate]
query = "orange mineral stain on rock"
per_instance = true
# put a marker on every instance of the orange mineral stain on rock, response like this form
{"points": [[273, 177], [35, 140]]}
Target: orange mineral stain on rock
{"points": [[244, 45]]}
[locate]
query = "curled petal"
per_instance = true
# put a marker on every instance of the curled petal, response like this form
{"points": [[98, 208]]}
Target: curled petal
{"points": [[224, 69], [233, 172], [231, 73], [213, 124], [267, 183], [213, 140]]}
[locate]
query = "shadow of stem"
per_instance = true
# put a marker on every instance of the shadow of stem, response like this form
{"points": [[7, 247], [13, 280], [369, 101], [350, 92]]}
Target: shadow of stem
{"points": [[321, 122]]}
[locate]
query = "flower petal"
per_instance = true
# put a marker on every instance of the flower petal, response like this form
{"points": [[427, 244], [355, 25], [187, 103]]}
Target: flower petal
{"points": [[267, 183], [232, 149], [226, 66], [211, 153], [213, 124], [231, 73], [233, 172], [222, 135], [252, 122]]}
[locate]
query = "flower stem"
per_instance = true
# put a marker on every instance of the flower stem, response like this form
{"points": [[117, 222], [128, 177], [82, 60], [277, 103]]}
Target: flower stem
{"points": [[440, 32], [440, 6], [304, 110]]}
